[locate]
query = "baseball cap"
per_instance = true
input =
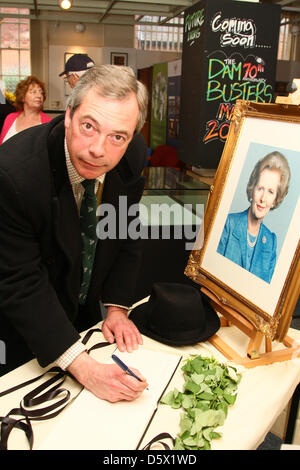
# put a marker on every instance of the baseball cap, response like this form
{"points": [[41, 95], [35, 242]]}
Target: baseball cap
{"points": [[77, 63]]}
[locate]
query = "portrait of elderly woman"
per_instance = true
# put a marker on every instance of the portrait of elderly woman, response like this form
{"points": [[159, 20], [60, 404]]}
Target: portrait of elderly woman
{"points": [[245, 239]]}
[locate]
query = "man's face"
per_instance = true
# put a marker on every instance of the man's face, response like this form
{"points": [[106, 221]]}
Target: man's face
{"points": [[72, 79], [99, 132]]}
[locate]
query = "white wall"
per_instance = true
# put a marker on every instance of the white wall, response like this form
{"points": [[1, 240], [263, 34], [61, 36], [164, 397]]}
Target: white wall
{"points": [[101, 55], [148, 58]]}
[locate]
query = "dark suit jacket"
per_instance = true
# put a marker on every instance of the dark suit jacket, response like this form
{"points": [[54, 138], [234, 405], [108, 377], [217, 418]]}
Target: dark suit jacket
{"points": [[5, 109], [40, 244]]}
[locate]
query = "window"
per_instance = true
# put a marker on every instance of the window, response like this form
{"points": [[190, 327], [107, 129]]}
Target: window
{"points": [[14, 46], [288, 36], [152, 37]]}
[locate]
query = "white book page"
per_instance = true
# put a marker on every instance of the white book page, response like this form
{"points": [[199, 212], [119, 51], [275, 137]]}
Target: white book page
{"points": [[94, 424]]}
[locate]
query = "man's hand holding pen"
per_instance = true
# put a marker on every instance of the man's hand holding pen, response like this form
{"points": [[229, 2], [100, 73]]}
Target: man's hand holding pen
{"points": [[107, 381]]}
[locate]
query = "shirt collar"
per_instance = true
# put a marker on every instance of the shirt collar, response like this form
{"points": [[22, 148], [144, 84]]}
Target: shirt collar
{"points": [[74, 177]]}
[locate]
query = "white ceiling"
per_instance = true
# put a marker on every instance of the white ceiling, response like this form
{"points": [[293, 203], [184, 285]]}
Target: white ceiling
{"points": [[116, 11], [102, 11]]}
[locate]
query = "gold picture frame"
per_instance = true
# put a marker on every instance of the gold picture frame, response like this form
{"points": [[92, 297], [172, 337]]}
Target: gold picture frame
{"points": [[256, 129]]}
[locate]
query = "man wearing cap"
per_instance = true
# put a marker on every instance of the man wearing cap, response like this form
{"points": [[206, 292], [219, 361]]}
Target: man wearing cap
{"points": [[92, 152], [75, 67]]}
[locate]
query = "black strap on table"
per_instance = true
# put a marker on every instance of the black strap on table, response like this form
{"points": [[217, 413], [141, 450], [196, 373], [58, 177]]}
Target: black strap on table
{"points": [[39, 395], [163, 435]]}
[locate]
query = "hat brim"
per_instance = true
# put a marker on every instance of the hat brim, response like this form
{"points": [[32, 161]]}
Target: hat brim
{"points": [[212, 325]]}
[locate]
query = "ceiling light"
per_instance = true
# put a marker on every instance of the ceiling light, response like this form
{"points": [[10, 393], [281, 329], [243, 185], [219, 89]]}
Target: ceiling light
{"points": [[65, 4]]}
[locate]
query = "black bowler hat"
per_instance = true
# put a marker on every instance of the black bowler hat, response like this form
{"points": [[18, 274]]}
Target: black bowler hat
{"points": [[77, 63], [176, 314]]}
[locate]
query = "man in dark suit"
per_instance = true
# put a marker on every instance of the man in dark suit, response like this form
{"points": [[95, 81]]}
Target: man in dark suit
{"points": [[42, 171]]}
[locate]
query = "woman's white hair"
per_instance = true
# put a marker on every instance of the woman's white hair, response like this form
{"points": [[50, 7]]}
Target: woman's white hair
{"points": [[272, 161]]}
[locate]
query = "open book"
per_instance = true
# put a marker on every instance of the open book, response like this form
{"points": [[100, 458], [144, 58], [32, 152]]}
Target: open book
{"points": [[94, 424]]}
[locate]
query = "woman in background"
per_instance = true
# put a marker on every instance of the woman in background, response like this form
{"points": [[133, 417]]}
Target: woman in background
{"points": [[30, 97], [245, 239]]}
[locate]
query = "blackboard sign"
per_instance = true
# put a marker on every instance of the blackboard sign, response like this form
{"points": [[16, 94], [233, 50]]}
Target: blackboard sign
{"points": [[229, 53]]}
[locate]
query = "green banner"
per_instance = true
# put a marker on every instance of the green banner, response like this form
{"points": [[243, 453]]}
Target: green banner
{"points": [[158, 127]]}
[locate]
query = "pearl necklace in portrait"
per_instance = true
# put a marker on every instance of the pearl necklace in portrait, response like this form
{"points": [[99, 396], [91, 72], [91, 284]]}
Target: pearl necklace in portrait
{"points": [[250, 243]]}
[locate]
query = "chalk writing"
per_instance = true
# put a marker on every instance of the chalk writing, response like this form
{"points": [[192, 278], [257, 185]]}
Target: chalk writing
{"points": [[194, 20], [217, 129], [193, 24], [230, 80], [235, 32], [229, 68]]}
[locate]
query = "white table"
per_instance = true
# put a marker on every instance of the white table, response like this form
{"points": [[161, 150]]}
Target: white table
{"points": [[263, 393]]}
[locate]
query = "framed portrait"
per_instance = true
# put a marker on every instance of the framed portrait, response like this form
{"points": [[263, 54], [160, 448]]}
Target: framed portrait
{"points": [[119, 58], [247, 250]]}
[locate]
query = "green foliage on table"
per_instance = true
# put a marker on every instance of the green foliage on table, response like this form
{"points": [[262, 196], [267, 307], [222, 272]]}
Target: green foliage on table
{"points": [[209, 389]]}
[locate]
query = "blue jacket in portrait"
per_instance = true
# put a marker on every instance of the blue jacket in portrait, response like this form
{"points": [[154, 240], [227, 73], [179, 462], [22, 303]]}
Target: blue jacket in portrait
{"points": [[233, 245]]}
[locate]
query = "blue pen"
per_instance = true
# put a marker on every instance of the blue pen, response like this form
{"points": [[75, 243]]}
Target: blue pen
{"points": [[123, 366]]}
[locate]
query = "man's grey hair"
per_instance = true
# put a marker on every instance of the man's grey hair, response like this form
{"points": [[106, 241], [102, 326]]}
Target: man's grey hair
{"points": [[114, 82], [79, 73]]}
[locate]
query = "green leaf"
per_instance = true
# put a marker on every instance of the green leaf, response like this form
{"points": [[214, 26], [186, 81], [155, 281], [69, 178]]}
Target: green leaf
{"points": [[210, 372], [205, 388], [192, 386], [185, 423], [172, 399], [230, 398], [168, 398], [205, 396], [215, 435], [187, 401], [219, 372], [230, 388], [210, 388], [200, 441], [224, 407], [232, 373], [197, 364], [197, 378], [178, 444], [187, 367], [190, 441], [203, 405], [207, 433], [206, 446], [209, 418]]}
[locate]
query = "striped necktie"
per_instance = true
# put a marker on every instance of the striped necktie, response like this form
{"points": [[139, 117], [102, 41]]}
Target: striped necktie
{"points": [[88, 223]]}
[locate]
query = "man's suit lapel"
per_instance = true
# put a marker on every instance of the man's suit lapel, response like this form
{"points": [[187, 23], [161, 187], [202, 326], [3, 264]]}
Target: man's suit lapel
{"points": [[112, 182], [65, 212], [113, 188]]}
